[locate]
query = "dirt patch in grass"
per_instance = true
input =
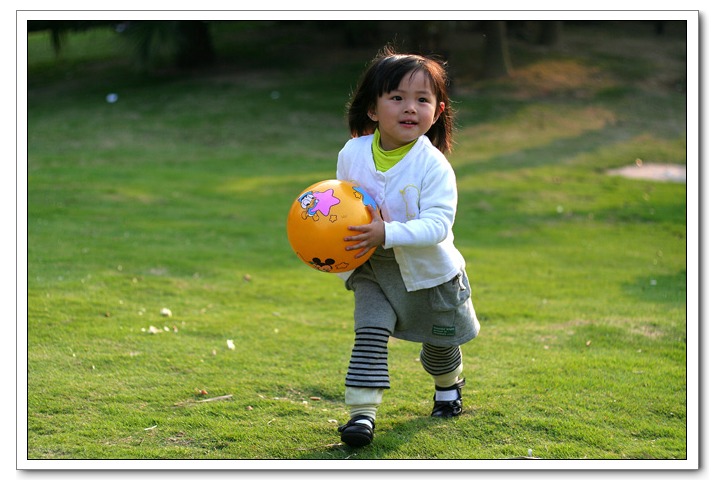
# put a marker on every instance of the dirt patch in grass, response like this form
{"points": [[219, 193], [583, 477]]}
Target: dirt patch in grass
{"points": [[549, 77], [647, 331], [663, 172]]}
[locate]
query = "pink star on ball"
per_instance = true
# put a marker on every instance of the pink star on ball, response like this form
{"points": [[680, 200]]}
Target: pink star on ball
{"points": [[323, 202]]}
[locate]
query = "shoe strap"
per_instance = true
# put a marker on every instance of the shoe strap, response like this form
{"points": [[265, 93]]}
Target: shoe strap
{"points": [[363, 420]]}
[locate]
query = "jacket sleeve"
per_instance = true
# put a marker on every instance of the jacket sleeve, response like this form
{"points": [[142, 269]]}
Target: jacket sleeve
{"points": [[341, 171], [437, 210]]}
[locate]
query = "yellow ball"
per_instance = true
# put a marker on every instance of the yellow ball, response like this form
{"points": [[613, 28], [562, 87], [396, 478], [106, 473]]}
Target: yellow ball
{"points": [[318, 223]]}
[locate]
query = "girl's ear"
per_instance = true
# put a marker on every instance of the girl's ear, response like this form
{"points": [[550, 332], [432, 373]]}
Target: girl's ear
{"points": [[371, 113], [438, 112]]}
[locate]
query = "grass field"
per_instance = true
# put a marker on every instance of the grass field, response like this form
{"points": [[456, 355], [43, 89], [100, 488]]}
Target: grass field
{"points": [[175, 196]]}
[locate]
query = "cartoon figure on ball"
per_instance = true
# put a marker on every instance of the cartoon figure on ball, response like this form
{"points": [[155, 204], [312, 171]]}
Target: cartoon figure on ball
{"points": [[318, 223]]}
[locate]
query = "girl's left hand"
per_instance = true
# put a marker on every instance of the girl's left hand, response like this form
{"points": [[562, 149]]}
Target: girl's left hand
{"points": [[370, 235]]}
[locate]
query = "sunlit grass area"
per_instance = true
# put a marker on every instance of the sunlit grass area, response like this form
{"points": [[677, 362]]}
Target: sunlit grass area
{"points": [[175, 196]]}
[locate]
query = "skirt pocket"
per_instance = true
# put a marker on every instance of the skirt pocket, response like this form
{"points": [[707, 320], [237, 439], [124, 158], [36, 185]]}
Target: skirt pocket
{"points": [[452, 294], [447, 301]]}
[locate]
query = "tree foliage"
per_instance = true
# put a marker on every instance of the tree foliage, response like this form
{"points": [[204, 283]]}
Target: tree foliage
{"points": [[189, 44]]}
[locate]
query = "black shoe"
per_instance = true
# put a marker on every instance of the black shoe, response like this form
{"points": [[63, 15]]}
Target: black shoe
{"points": [[450, 408], [357, 434]]}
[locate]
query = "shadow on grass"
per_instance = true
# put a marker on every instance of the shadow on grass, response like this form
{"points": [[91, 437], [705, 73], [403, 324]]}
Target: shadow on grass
{"points": [[668, 289], [390, 442]]}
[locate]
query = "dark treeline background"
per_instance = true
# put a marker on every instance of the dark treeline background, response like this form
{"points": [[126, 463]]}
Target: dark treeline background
{"points": [[202, 44]]}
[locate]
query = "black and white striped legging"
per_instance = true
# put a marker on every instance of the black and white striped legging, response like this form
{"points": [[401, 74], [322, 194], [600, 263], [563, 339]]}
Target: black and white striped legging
{"points": [[368, 362]]}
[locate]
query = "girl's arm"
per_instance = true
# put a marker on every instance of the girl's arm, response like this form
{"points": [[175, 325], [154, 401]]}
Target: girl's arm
{"points": [[437, 210]]}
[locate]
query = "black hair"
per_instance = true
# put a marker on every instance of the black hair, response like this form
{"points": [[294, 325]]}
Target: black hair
{"points": [[383, 75]]}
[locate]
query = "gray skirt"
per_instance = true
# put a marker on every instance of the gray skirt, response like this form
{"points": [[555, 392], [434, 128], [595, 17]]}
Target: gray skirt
{"points": [[443, 315]]}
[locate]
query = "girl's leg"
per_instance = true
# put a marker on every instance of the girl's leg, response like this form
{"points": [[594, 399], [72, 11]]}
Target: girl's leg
{"points": [[368, 362], [366, 379], [445, 366]]}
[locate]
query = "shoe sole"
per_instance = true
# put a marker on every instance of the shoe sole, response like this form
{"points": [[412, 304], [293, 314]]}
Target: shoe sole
{"points": [[356, 439], [446, 415]]}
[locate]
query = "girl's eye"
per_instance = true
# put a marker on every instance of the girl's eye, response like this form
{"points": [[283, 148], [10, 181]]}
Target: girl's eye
{"points": [[396, 97]]}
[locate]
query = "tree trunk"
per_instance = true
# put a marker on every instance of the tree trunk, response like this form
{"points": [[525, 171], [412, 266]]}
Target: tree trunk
{"points": [[550, 32], [497, 62], [195, 47]]}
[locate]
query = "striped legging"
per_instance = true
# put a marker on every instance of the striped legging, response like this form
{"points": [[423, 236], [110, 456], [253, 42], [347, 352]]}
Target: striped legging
{"points": [[368, 362]]}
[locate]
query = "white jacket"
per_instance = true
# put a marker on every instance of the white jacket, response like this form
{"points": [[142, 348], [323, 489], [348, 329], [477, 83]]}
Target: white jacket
{"points": [[418, 200]]}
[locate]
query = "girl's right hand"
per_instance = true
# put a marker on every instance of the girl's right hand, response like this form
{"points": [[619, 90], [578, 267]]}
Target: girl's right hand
{"points": [[370, 236]]}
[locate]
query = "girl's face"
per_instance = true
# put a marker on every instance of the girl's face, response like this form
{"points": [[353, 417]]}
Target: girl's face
{"points": [[406, 113]]}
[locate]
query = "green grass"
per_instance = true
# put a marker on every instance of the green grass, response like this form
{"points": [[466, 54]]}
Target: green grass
{"points": [[176, 197]]}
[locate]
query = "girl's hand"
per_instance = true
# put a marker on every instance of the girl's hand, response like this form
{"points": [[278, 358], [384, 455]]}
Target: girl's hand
{"points": [[370, 235]]}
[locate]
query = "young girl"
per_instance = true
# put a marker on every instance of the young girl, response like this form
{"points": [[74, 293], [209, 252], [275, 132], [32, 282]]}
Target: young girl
{"points": [[414, 287]]}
